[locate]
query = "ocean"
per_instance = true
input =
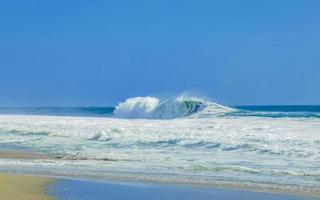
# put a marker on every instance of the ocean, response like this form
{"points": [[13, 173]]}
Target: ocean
{"points": [[181, 140]]}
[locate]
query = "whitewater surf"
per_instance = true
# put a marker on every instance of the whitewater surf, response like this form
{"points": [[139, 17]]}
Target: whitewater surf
{"points": [[153, 108], [182, 140]]}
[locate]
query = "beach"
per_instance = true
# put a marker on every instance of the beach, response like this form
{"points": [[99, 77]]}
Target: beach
{"points": [[26, 187], [15, 187]]}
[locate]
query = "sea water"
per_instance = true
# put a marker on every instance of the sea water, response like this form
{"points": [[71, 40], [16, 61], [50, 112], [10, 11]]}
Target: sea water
{"points": [[183, 140], [100, 190]]}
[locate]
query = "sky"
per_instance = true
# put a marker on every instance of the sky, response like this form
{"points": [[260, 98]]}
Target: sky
{"points": [[95, 53]]}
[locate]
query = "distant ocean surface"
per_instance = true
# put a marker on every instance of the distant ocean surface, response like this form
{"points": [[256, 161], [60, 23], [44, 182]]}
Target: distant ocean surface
{"points": [[107, 111], [183, 140]]}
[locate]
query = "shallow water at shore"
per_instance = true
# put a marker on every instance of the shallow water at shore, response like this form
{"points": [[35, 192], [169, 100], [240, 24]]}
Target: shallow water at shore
{"points": [[95, 190]]}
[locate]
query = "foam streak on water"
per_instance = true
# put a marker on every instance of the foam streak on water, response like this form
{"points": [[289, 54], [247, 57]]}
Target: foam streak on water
{"points": [[197, 140]]}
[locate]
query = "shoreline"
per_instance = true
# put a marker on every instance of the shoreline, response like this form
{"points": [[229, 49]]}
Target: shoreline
{"points": [[248, 187], [100, 190], [32, 187], [217, 185]]}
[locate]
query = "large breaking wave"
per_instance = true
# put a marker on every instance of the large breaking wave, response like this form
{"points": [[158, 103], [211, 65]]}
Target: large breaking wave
{"points": [[153, 108]]}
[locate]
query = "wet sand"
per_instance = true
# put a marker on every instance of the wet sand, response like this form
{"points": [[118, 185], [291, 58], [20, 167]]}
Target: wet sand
{"points": [[15, 187], [23, 155]]}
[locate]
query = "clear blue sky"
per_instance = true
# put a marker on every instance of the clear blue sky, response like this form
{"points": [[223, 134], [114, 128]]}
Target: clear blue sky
{"points": [[73, 52]]}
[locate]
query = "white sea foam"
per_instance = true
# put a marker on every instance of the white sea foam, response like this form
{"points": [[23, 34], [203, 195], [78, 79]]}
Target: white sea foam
{"points": [[137, 107]]}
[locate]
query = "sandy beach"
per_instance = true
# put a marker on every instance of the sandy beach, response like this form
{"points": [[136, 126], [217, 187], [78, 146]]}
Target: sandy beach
{"points": [[26, 187], [14, 187]]}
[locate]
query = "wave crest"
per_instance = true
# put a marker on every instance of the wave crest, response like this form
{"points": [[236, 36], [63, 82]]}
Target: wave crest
{"points": [[153, 108]]}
